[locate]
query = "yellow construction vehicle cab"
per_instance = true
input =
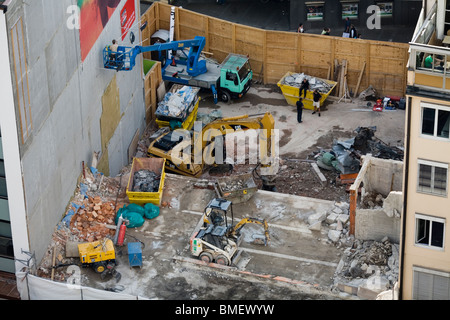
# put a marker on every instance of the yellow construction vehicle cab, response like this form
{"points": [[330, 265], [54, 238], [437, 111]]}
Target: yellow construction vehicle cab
{"points": [[201, 143], [100, 255]]}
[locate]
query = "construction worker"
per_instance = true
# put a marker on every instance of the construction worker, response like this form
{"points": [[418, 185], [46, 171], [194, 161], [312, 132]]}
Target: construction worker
{"points": [[113, 49], [299, 104], [316, 101], [304, 87]]}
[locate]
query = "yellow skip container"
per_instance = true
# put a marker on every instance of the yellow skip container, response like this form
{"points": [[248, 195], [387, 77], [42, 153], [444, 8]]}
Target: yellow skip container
{"points": [[155, 165], [291, 94]]}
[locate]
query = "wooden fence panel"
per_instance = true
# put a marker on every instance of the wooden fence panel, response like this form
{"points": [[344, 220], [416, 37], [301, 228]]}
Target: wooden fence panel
{"points": [[152, 80], [150, 18]]}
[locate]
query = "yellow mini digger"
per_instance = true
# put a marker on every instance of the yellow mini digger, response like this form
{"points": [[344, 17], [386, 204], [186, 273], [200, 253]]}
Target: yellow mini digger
{"points": [[216, 240]]}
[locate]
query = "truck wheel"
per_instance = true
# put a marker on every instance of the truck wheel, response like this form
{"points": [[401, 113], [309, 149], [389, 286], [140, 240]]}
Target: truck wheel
{"points": [[206, 257], [222, 260], [225, 97], [99, 267]]}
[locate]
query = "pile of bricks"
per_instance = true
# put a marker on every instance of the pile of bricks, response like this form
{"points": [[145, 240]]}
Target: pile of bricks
{"points": [[95, 220]]}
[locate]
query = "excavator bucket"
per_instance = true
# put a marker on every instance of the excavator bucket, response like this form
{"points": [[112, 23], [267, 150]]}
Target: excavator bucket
{"points": [[259, 239]]}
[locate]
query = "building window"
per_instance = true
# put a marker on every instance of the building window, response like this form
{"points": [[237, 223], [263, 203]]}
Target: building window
{"points": [[432, 62], [385, 8], [314, 11], [432, 177], [435, 121], [429, 231], [349, 10], [447, 19], [430, 284]]}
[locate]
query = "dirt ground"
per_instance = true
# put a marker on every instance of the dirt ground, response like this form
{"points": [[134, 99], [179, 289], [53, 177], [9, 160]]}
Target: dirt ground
{"points": [[168, 273]]}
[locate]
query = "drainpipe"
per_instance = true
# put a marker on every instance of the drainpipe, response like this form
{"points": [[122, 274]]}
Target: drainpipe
{"points": [[405, 195]]}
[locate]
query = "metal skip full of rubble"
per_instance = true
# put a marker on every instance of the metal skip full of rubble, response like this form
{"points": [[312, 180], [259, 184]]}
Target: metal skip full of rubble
{"points": [[296, 79], [290, 86]]}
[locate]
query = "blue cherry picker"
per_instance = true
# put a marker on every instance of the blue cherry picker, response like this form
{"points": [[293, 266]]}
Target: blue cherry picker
{"points": [[228, 81]]}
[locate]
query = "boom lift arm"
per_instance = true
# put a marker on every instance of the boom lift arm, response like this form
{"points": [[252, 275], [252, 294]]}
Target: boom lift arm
{"points": [[125, 57]]}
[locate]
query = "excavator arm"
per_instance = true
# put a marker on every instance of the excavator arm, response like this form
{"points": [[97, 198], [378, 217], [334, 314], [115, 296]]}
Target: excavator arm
{"points": [[234, 231]]}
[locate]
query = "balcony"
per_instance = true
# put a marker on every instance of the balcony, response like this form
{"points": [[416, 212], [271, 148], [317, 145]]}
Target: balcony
{"points": [[429, 60]]}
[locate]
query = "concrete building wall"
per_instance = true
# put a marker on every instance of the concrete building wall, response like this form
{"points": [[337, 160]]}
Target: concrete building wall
{"points": [[65, 106], [384, 177], [419, 203], [375, 224]]}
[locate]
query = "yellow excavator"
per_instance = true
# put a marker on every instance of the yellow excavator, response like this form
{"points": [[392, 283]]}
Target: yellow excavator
{"points": [[191, 152], [215, 239]]}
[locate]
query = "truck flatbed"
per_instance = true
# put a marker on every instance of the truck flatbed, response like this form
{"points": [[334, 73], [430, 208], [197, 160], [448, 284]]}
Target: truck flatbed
{"points": [[205, 80]]}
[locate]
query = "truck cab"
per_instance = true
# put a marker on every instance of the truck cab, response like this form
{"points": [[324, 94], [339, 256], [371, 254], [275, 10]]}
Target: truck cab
{"points": [[235, 77]]}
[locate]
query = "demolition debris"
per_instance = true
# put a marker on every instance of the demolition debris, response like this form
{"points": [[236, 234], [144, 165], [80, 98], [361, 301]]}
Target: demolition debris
{"points": [[146, 181], [344, 156], [296, 79]]}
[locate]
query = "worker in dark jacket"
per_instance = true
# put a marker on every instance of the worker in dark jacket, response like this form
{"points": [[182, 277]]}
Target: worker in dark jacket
{"points": [[316, 101], [299, 105], [304, 87]]}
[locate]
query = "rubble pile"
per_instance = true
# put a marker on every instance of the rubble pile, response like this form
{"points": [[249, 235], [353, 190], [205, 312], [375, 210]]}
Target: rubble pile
{"points": [[366, 142], [296, 79], [336, 220], [367, 267], [372, 200], [176, 104], [146, 181], [233, 185], [91, 221], [376, 253], [344, 156], [372, 265]]}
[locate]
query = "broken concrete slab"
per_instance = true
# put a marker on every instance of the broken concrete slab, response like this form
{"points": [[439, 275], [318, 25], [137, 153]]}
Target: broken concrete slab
{"points": [[393, 204], [372, 287], [334, 235], [316, 226], [344, 218], [338, 210], [319, 216], [331, 218]]}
